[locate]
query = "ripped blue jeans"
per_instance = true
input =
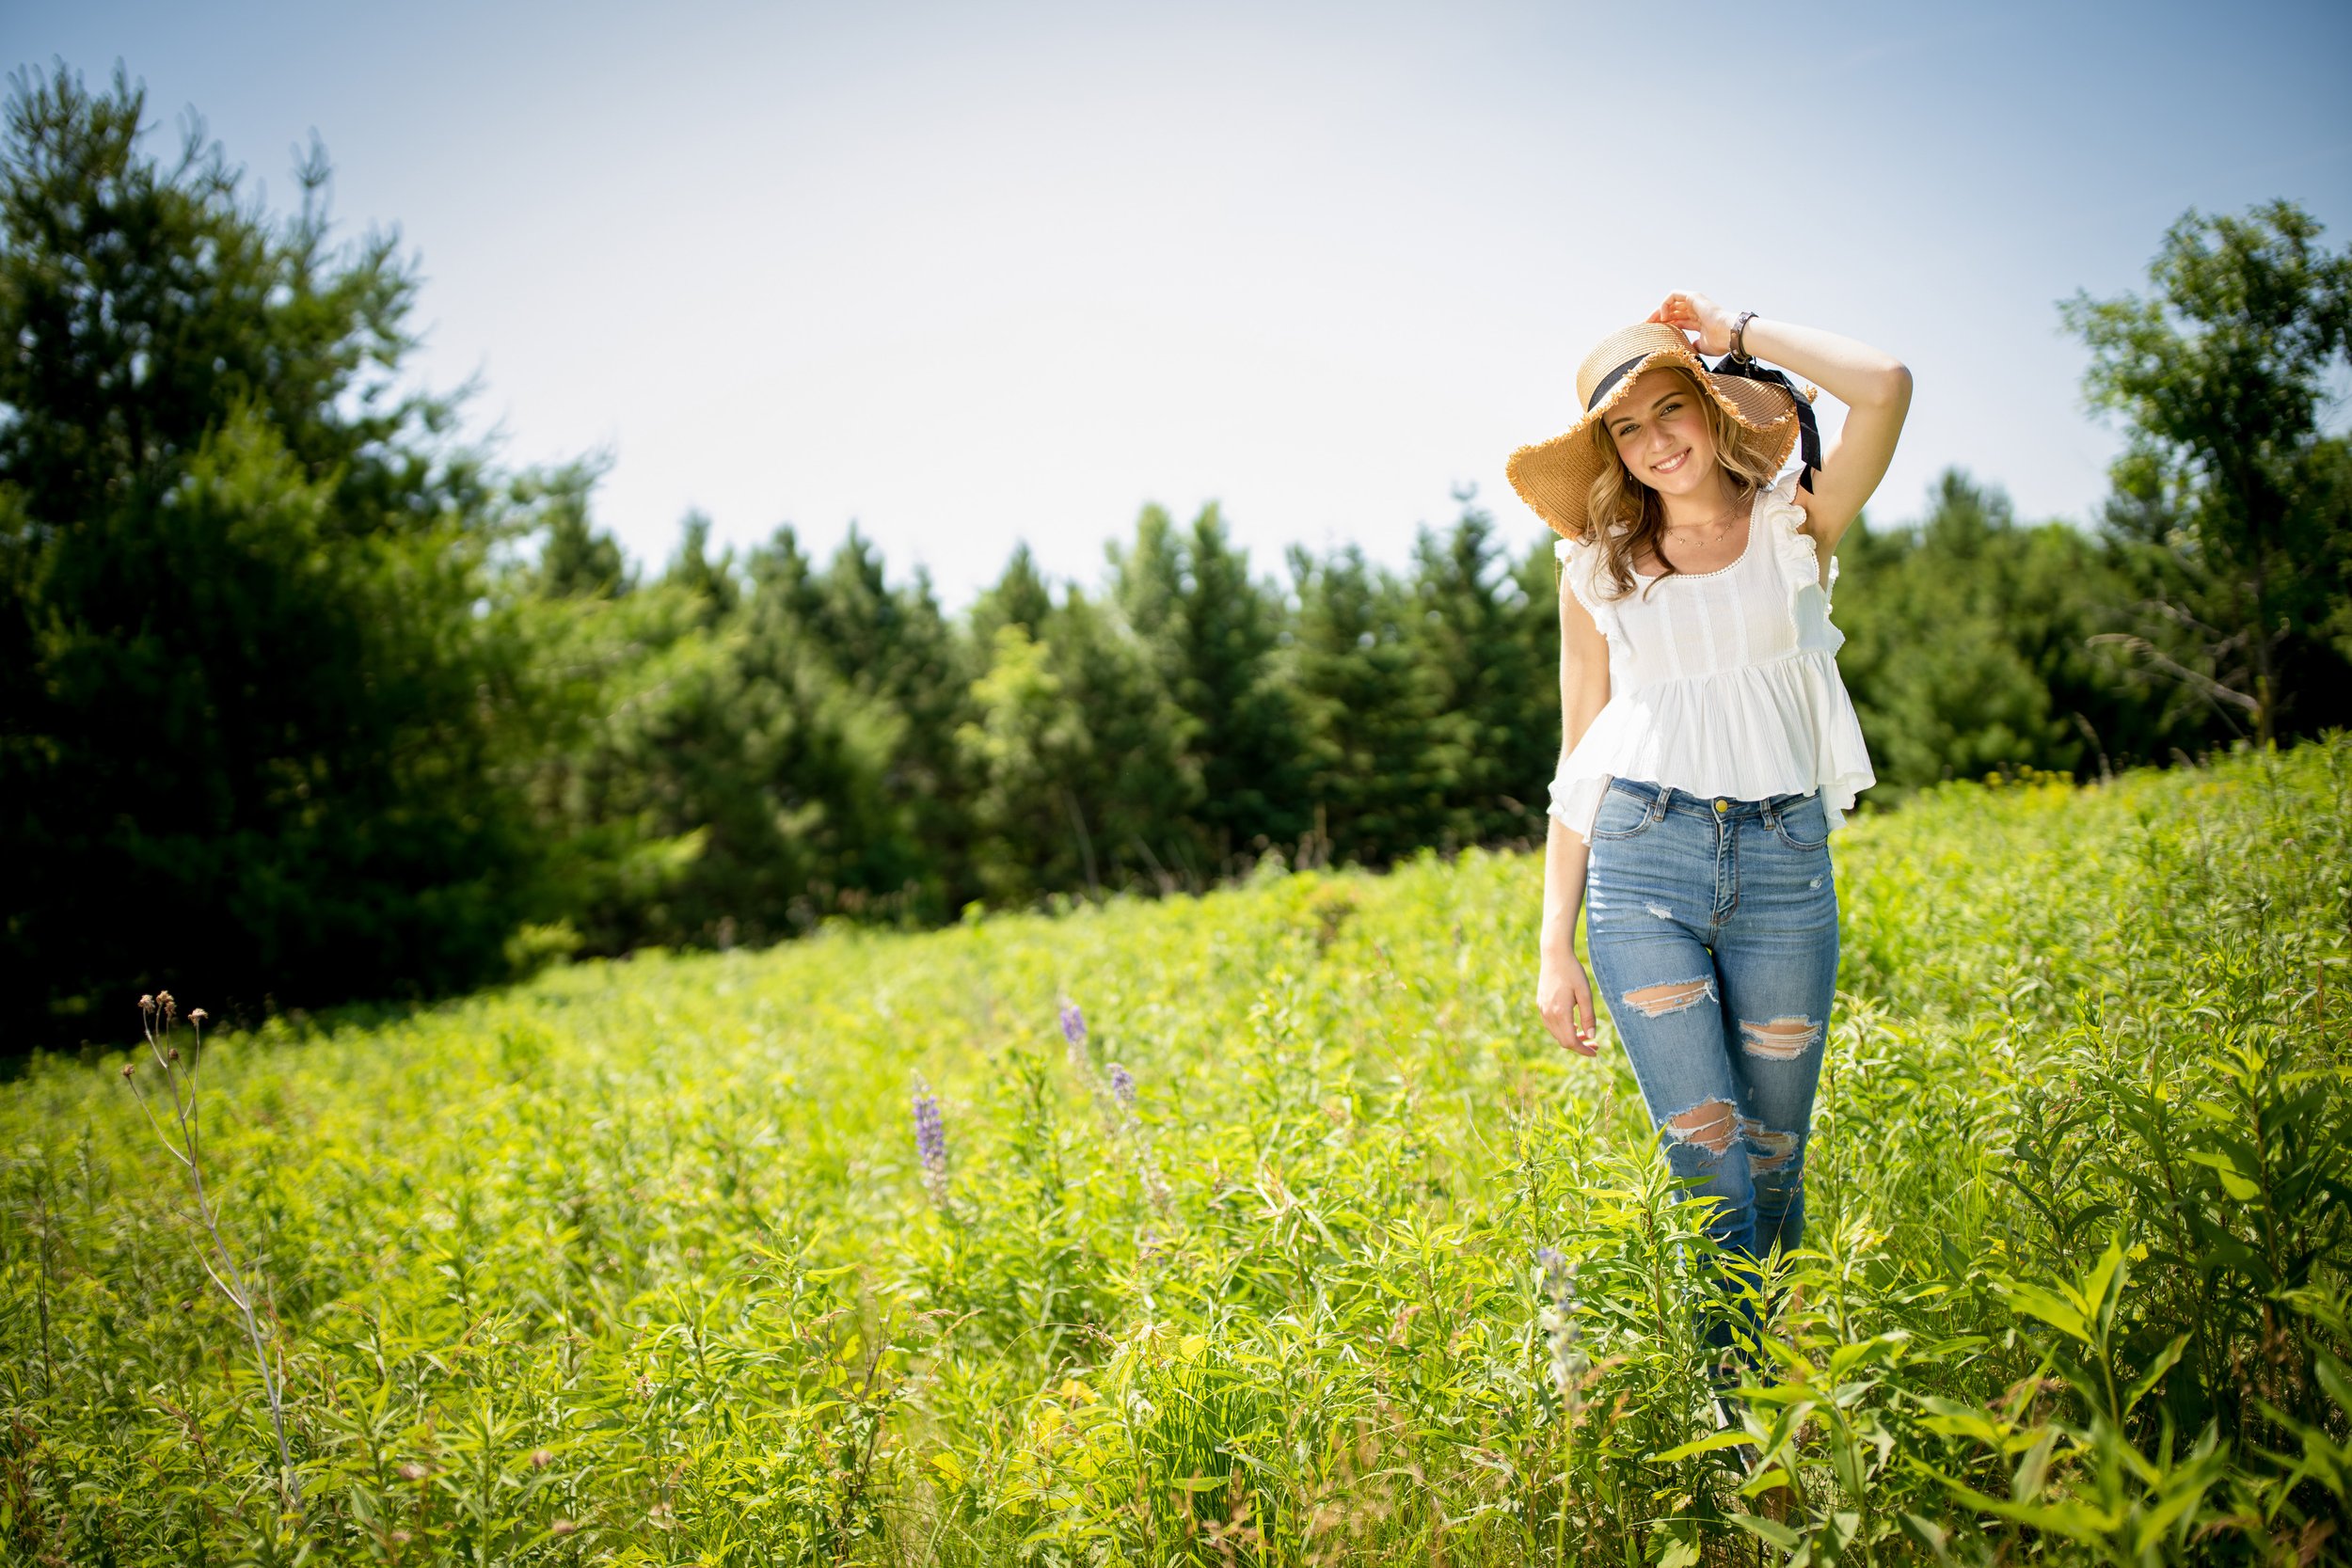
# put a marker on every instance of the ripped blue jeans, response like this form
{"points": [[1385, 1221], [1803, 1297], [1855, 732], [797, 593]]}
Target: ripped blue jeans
{"points": [[1712, 926]]}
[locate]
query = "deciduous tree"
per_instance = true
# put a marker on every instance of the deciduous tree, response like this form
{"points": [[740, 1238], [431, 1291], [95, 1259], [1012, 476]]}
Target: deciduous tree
{"points": [[2236, 502]]}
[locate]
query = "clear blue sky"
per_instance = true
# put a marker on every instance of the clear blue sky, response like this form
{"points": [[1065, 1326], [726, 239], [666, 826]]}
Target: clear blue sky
{"points": [[974, 273]]}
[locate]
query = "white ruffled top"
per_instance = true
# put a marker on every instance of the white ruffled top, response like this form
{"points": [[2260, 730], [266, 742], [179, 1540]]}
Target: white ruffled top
{"points": [[1721, 683]]}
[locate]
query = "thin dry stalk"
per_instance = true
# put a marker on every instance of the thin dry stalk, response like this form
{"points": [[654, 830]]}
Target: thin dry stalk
{"points": [[158, 1014]]}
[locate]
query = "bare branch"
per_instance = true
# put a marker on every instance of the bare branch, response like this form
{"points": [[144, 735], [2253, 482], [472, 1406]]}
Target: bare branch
{"points": [[2212, 691]]}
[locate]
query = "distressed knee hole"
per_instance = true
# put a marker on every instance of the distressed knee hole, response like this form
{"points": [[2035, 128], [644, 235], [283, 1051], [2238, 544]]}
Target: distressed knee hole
{"points": [[1658, 1000], [1660, 911], [1711, 1125], [1769, 1148], [1780, 1039]]}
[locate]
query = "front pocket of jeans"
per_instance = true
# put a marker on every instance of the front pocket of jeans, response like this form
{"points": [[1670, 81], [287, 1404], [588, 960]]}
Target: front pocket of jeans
{"points": [[1814, 818], [1620, 817]]}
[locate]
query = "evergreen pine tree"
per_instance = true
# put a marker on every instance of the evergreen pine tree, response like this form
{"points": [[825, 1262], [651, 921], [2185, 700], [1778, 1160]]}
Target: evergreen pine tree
{"points": [[711, 582], [1019, 597], [576, 559], [1136, 788], [1372, 723], [1469, 629], [258, 724], [1212, 633]]}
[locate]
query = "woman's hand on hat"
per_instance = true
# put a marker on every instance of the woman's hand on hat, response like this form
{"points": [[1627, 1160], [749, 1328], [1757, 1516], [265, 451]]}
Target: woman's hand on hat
{"points": [[1701, 317]]}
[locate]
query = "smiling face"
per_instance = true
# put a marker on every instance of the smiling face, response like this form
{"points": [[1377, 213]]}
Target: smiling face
{"points": [[1661, 435]]}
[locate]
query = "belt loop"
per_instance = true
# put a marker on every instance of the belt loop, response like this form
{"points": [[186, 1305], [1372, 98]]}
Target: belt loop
{"points": [[1771, 812], [1657, 805]]}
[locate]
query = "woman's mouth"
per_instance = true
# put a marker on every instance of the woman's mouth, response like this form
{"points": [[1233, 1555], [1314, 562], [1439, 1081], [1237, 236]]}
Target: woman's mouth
{"points": [[1671, 464]]}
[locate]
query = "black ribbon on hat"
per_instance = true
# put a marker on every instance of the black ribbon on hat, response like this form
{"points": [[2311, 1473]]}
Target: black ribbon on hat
{"points": [[1808, 430]]}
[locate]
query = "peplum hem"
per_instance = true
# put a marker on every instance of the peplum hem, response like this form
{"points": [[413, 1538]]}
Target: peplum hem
{"points": [[1784, 727]]}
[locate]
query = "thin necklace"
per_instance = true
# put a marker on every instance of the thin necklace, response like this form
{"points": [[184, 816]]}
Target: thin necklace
{"points": [[1720, 524]]}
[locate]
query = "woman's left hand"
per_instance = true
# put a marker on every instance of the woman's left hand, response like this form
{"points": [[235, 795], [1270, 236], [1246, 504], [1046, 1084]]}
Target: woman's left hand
{"points": [[1699, 315]]}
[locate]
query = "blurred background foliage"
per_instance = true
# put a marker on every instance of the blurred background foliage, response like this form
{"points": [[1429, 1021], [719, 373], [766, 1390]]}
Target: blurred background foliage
{"points": [[302, 693]]}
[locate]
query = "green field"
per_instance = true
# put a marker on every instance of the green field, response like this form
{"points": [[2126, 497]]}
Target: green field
{"points": [[638, 1264]]}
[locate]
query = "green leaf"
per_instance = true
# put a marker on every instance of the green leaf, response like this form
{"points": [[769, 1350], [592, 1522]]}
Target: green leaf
{"points": [[1846, 1357], [1705, 1445], [2232, 1181], [2061, 1314], [2188, 1490], [2332, 1377], [1928, 1534], [2026, 1482], [2163, 1363], [1778, 1534], [2105, 1274], [2074, 1520], [1953, 1421]]}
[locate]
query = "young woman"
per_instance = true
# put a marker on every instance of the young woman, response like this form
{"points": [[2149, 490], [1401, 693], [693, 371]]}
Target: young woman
{"points": [[1709, 748]]}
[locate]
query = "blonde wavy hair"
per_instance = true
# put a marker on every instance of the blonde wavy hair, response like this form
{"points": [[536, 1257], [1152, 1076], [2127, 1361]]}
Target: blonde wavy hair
{"points": [[1623, 516]]}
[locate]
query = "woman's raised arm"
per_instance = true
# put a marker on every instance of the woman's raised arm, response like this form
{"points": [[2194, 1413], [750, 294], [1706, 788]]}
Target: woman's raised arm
{"points": [[1874, 386]]}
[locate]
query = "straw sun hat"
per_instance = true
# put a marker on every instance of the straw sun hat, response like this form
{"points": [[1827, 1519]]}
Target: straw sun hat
{"points": [[1555, 477]]}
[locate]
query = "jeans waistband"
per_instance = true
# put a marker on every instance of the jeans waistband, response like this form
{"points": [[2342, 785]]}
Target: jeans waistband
{"points": [[1661, 800]]}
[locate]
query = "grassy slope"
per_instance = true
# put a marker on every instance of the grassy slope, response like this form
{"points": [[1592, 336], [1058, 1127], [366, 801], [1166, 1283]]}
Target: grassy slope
{"points": [[636, 1262]]}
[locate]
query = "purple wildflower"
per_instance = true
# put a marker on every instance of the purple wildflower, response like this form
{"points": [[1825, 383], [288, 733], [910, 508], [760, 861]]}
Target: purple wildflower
{"points": [[1073, 1023], [1122, 1084], [931, 1143]]}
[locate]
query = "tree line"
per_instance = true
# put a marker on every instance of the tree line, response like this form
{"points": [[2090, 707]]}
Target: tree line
{"points": [[304, 697]]}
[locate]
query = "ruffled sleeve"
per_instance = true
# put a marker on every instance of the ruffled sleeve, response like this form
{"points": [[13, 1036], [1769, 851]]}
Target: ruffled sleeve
{"points": [[1579, 560], [1584, 773], [1799, 560]]}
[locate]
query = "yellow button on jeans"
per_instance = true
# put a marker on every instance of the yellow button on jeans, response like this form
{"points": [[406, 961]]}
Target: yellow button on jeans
{"points": [[1722, 806]]}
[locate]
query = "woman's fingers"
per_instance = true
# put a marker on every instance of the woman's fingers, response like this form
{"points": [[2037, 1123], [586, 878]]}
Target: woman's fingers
{"points": [[1692, 313], [1586, 1025], [1678, 313], [1570, 1023], [1565, 1001]]}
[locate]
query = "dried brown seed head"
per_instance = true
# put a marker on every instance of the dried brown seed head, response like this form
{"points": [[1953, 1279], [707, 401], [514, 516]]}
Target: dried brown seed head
{"points": [[561, 1527], [147, 1004], [541, 1459], [197, 1015], [129, 1068]]}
